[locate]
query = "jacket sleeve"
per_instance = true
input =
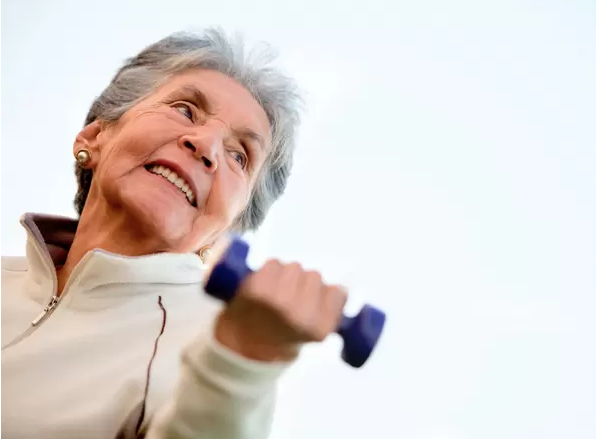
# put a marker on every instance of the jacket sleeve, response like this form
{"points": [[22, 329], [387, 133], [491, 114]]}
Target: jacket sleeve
{"points": [[220, 394]]}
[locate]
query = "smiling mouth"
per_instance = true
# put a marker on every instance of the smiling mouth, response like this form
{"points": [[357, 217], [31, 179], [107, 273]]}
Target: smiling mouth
{"points": [[175, 180]]}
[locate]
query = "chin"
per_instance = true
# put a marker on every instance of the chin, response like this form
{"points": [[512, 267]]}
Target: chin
{"points": [[166, 223]]}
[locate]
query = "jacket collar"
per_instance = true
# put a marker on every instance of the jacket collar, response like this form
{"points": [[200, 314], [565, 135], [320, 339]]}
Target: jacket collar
{"points": [[48, 243]]}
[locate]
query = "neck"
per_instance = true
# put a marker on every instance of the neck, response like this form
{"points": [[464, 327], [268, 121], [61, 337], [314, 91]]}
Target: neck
{"points": [[101, 227]]}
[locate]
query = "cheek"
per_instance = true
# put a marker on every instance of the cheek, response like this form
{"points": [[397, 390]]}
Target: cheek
{"points": [[130, 149]]}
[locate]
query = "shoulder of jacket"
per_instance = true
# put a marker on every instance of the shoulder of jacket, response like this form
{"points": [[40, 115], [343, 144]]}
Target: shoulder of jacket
{"points": [[14, 263]]}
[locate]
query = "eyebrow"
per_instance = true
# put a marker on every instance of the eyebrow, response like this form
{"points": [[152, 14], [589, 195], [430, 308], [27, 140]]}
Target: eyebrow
{"points": [[192, 92], [247, 133]]}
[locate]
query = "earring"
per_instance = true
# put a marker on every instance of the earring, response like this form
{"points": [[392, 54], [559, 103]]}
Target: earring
{"points": [[83, 157], [204, 254]]}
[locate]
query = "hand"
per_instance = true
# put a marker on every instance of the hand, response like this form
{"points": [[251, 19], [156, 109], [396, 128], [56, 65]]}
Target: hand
{"points": [[277, 309]]}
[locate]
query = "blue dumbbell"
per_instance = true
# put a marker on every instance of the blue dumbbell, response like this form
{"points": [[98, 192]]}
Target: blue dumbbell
{"points": [[360, 333]]}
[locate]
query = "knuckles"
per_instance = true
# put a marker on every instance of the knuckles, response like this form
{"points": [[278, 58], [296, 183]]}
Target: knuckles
{"points": [[299, 298]]}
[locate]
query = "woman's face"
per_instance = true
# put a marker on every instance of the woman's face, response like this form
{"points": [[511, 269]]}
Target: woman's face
{"points": [[179, 167]]}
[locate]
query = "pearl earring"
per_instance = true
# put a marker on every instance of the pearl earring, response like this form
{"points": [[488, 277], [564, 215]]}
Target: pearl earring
{"points": [[83, 157]]}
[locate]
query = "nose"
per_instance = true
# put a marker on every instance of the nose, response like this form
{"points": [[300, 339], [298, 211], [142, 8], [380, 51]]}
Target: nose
{"points": [[204, 146]]}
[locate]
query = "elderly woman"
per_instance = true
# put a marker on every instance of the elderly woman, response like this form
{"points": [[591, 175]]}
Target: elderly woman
{"points": [[106, 331]]}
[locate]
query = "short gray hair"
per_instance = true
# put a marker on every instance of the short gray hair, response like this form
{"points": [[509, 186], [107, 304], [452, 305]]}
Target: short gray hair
{"points": [[212, 50]]}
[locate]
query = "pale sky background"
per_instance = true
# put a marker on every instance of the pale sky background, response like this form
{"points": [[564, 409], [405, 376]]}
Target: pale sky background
{"points": [[446, 172]]}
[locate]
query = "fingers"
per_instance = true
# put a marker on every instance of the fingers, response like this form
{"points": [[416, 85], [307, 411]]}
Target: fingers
{"points": [[308, 307], [332, 306], [261, 285], [277, 309]]}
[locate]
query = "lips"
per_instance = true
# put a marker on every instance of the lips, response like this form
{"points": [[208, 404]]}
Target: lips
{"points": [[175, 179]]}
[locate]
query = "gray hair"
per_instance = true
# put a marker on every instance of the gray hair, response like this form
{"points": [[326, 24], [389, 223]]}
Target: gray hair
{"points": [[275, 92]]}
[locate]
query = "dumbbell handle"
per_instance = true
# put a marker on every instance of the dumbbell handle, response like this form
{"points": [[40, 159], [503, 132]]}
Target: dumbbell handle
{"points": [[359, 333]]}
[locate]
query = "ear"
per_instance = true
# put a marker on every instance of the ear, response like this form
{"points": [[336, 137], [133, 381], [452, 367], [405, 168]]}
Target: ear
{"points": [[88, 139]]}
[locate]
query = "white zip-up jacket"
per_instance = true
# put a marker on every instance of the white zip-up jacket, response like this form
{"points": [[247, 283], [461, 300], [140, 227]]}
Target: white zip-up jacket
{"points": [[126, 350]]}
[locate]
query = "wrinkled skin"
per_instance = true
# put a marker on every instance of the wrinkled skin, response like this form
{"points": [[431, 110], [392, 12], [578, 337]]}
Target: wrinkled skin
{"points": [[216, 135]]}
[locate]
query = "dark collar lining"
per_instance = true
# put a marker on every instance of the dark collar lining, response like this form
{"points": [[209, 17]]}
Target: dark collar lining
{"points": [[54, 233]]}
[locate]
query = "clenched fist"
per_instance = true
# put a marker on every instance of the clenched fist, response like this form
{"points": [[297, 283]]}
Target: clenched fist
{"points": [[276, 310]]}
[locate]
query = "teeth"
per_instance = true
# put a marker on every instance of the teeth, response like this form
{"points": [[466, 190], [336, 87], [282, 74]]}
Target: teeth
{"points": [[173, 178]]}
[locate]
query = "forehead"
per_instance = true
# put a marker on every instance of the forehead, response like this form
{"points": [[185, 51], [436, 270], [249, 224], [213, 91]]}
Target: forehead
{"points": [[228, 100]]}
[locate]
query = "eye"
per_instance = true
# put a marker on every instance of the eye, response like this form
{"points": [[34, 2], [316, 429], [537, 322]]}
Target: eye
{"points": [[240, 158], [185, 110]]}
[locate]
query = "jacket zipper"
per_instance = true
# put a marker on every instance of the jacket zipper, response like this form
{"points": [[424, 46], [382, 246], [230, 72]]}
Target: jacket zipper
{"points": [[54, 301], [35, 322], [50, 307], [46, 311]]}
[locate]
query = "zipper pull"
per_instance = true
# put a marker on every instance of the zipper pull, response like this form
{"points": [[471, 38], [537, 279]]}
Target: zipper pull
{"points": [[46, 311]]}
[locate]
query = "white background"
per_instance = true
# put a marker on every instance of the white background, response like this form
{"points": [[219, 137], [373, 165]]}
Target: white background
{"points": [[446, 173]]}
